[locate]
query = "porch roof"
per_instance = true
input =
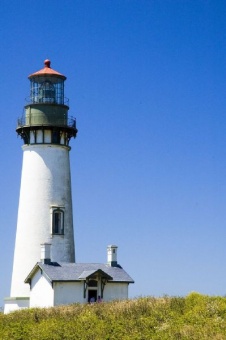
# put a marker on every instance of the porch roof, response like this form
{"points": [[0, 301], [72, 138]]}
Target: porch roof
{"points": [[88, 274]]}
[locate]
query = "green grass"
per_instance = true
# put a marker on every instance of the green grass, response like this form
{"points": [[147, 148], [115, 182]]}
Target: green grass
{"points": [[193, 317]]}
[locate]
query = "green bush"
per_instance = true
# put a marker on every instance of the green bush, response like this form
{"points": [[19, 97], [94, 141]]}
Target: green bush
{"points": [[193, 317]]}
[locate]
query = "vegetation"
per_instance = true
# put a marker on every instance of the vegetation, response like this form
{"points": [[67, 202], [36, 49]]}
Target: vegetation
{"points": [[193, 317]]}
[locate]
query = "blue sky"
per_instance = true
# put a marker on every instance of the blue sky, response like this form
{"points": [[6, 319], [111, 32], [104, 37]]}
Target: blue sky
{"points": [[147, 84]]}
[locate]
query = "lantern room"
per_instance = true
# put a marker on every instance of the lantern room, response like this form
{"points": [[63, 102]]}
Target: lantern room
{"points": [[47, 86], [45, 118]]}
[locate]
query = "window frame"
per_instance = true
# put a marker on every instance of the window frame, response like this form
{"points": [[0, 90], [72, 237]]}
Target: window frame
{"points": [[57, 229]]}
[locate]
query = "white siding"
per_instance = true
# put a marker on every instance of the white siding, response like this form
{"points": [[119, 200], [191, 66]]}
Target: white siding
{"points": [[15, 304], [41, 294], [115, 291], [72, 292], [68, 292]]}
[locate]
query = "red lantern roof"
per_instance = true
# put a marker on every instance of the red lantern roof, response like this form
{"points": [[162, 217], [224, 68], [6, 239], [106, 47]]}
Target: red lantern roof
{"points": [[47, 70]]}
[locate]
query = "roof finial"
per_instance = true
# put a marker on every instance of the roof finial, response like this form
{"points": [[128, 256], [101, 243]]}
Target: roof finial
{"points": [[47, 63]]}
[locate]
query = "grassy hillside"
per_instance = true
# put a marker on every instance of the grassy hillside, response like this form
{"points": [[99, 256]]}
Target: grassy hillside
{"points": [[193, 317]]}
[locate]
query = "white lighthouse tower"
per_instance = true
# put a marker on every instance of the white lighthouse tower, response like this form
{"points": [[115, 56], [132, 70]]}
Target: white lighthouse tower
{"points": [[45, 204]]}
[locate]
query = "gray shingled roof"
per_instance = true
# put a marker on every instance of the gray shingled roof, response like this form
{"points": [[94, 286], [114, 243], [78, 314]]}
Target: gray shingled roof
{"points": [[75, 271]]}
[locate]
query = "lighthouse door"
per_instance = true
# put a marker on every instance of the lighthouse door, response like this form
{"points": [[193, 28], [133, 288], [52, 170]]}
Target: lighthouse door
{"points": [[92, 295]]}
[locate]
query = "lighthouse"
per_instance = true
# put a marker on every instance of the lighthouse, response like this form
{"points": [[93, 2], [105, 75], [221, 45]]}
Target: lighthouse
{"points": [[45, 202]]}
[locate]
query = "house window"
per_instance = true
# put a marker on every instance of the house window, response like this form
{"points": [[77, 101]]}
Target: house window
{"points": [[58, 222], [92, 283]]}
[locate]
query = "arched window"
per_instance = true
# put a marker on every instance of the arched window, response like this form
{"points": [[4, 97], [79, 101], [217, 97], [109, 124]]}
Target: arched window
{"points": [[58, 222]]}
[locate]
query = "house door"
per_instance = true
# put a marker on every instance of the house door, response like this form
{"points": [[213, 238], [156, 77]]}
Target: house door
{"points": [[92, 295]]}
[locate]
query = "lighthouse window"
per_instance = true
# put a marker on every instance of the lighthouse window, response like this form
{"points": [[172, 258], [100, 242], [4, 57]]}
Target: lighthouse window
{"points": [[56, 137], [47, 92], [58, 222]]}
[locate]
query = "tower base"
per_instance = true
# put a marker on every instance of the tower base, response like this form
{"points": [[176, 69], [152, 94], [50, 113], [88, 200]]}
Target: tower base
{"points": [[15, 303]]}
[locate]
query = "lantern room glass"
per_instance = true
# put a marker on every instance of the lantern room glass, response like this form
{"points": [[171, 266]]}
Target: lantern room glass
{"points": [[44, 90]]}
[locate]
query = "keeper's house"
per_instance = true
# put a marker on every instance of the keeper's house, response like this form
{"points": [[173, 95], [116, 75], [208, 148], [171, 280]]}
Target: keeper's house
{"points": [[58, 283]]}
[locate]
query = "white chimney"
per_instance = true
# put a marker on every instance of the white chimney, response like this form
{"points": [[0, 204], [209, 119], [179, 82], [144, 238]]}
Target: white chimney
{"points": [[112, 255], [45, 253]]}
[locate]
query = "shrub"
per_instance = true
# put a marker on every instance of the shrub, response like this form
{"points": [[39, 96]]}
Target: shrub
{"points": [[193, 317]]}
